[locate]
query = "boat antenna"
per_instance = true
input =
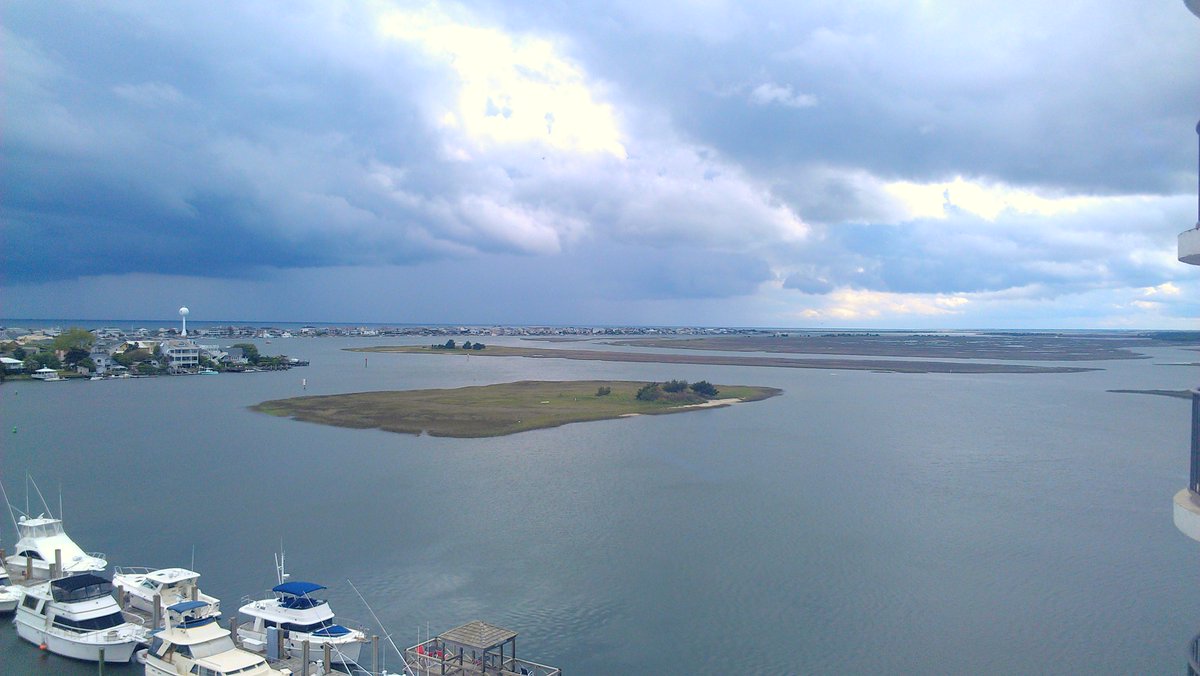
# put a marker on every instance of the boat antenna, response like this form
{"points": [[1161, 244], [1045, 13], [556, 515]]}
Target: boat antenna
{"points": [[41, 497], [10, 508], [387, 635], [193, 564], [60, 509], [280, 572]]}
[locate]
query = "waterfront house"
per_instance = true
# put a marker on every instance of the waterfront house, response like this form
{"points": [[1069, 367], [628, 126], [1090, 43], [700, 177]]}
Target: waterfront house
{"points": [[11, 364], [181, 355]]}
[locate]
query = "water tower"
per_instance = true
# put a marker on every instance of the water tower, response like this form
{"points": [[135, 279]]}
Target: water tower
{"points": [[183, 313]]}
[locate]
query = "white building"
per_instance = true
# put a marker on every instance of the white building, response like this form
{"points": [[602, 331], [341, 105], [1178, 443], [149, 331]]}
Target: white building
{"points": [[181, 355]]}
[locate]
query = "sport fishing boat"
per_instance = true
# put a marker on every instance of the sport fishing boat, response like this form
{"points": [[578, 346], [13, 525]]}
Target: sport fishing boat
{"points": [[78, 617], [300, 616], [171, 585], [42, 543], [193, 642], [9, 594]]}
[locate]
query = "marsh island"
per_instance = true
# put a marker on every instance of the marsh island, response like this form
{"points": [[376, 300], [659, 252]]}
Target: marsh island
{"points": [[508, 408]]}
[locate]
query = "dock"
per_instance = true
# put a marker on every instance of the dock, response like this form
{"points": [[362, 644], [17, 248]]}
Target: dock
{"points": [[473, 648]]}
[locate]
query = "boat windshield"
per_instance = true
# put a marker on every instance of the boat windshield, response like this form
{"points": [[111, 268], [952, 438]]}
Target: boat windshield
{"points": [[324, 627], [216, 646], [92, 624], [40, 530], [80, 588]]}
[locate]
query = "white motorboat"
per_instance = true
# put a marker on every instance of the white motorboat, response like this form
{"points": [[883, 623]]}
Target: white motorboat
{"points": [[42, 543], [78, 617], [171, 585], [301, 617], [193, 642], [9, 593]]}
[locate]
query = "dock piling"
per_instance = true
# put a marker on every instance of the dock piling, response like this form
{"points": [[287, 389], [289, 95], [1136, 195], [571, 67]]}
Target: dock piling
{"points": [[304, 658], [325, 664], [58, 569], [157, 617]]}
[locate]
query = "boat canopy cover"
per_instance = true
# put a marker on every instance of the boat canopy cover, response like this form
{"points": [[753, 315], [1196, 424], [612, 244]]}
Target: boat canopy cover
{"points": [[297, 588], [185, 606], [78, 582], [82, 587]]}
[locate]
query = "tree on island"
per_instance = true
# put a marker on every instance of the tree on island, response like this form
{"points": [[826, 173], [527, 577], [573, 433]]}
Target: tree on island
{"points": [[704, 389], [467, 345], [603, 391], [477, 346], [74, 338], [649, 392], [250, 352], [675, 386], [450, 344], [40, 360]]}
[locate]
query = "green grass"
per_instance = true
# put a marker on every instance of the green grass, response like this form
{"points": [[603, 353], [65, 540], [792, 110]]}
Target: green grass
{"points": [[490, 410]]}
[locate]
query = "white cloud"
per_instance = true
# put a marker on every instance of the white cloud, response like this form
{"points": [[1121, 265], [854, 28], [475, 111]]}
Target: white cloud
{"points": [[149, 93], [985, 199], [769, 93], [512, 88], [859, 304], [1164, 289]]}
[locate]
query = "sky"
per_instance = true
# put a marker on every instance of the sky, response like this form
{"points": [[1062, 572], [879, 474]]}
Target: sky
{"points": [[891, 164]]}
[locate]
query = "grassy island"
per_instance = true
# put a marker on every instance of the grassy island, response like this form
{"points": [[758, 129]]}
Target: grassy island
{"points": [[507, 408]]}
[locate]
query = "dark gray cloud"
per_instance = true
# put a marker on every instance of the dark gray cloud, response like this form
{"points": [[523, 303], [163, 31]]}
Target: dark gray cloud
{"points": [[756, 145], [1077, 95]]}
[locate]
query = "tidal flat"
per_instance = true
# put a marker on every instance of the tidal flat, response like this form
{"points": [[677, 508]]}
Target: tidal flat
{"points": [[497, 410], [857, 364]]}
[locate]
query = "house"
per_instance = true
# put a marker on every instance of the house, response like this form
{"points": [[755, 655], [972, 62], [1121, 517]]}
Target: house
{"points": [[101, 356], [235, 355], [181, 355], [11, 364]]}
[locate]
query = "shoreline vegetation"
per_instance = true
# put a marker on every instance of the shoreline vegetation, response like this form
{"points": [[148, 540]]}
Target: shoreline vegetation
{"points": [[879, 365], [507, 408]]}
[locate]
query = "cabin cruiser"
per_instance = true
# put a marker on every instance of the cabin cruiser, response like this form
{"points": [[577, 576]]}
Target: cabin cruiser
{"points": [[193, 642], [9, 594], [42, 543], [78, 617], [301, 617], [172, 585]]}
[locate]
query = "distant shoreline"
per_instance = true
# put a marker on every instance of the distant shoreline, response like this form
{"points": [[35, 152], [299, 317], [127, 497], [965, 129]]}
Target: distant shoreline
{"points": [[879, 365]]}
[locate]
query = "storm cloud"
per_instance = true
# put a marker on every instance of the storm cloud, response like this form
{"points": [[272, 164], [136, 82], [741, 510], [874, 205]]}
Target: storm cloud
{"points": [[763, 163]]}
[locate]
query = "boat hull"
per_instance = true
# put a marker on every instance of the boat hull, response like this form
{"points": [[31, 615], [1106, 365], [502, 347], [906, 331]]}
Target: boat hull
{"points": [[116, 651], [340, 652]]}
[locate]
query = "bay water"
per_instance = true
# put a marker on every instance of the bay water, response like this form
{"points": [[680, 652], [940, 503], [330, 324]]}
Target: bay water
{"points": [[861, 522]]}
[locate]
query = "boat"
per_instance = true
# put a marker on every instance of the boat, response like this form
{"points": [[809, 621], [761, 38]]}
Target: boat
{"points": [[208, 372], [302, 617], [139, 586], [193, 642], [42, 543], [10, 594], [78, 617], [46, 374]]}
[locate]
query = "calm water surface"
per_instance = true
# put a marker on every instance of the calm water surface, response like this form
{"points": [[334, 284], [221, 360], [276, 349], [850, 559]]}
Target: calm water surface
{"points": [[861, 522]]}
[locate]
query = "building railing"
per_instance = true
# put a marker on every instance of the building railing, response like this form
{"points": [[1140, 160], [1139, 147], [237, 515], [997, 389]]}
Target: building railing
{"points": [[434, 657], [1194, 484], [1194, 656]]}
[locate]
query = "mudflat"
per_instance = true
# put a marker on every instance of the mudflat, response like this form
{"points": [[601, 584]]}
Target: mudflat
{"points": [[695, 357]]}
